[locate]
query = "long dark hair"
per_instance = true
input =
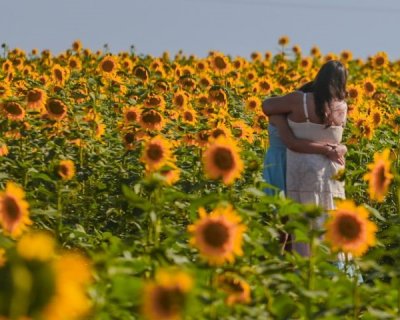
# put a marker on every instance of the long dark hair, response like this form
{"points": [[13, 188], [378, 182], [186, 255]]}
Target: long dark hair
{"points": [[328, 85]]}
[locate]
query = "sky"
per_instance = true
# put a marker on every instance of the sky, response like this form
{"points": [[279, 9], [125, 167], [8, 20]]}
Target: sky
{"points": [[235, 27]]}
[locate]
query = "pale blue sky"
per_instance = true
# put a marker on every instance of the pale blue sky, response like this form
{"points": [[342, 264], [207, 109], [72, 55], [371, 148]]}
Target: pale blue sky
{"points": [[236, 27]]}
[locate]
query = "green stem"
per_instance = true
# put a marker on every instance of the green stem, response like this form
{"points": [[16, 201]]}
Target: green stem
{"points": [[398, 297], [59, 206], [310, 282], [356, 298]]}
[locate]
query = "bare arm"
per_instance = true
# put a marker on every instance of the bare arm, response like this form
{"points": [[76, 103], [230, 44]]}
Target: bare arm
{"points": [[281, 105], [333, 152]]}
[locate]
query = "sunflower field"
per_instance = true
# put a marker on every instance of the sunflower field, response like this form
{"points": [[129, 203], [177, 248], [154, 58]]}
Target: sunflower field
{"points": [[131, 188]]}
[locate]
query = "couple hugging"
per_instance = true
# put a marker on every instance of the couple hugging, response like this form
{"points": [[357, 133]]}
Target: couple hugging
{"points": [[305, 132]]}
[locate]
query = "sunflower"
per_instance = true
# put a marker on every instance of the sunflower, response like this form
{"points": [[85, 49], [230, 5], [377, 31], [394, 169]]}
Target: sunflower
{"points": [[218, 96], [283, 41], [5, 90], [56, 109], [349, 230], [256, 56], [306, 63], [131, 115], [165, 298], [170, 172], [201, 65], [330, 56], [37, 245], [156, 153], [72, 277], [3, 150], [66, 169], [36, 99], [75, 63], [155, 101], [59, 74], [379, 177], [108, 66], [7, 66], [346, 55], [237, 289], [77, 45], [220, 63], [188, 116], [296, 49], [13, 110], [264, 86], [315, 51], [162, 86], [354, 93], [222, 159], [180, 99], [253, 104], [141, 72], [14, 215], [151, 120], [380, 60], [376, 116], [218, 235], [220, 130], [369, 86]]}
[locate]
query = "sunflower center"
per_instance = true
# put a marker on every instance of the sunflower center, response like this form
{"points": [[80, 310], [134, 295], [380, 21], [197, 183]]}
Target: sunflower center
{"points": [[223, 159], [353, 93], [369, 87], [56, 107], [129, 137], [220, 63], [380, 61], [380, 177], [107, 66], [376, 118], [217, 132], [131, 116], [252, 104], [349, 227], [63, 170], [155, 152], [188, 116], [13, 108], [233, 284], [168, 301], [179, 100], [216, 234], [34, 96], [12, 210], [58, 74], [151, 117], [141, 73]]}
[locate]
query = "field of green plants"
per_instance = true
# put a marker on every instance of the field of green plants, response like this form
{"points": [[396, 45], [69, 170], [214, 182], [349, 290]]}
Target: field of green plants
{"points": [[131, 188]]}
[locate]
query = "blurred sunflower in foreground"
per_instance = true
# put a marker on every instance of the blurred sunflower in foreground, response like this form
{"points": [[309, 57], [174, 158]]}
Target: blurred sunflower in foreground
{"points": [[379, 177], [218, 235], [165, 297], [349, 229], [37, 282]]}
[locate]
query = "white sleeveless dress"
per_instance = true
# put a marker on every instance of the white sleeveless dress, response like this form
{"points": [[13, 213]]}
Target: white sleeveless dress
{"points": [[309, 176]]}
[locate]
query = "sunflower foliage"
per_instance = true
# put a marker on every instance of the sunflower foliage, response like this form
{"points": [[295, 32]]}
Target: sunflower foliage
{"points": [[131, 188]]}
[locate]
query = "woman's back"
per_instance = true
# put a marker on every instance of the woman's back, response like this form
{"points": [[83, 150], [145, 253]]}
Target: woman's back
{"points": [[310, 176]]}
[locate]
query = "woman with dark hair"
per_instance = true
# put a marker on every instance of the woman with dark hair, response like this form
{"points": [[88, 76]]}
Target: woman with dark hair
{"points": [[280, 138], [317, 116]]}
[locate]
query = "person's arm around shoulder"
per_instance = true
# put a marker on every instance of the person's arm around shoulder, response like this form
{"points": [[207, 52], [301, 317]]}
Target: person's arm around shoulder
{"points": [[281, 105], [335, 153]]}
